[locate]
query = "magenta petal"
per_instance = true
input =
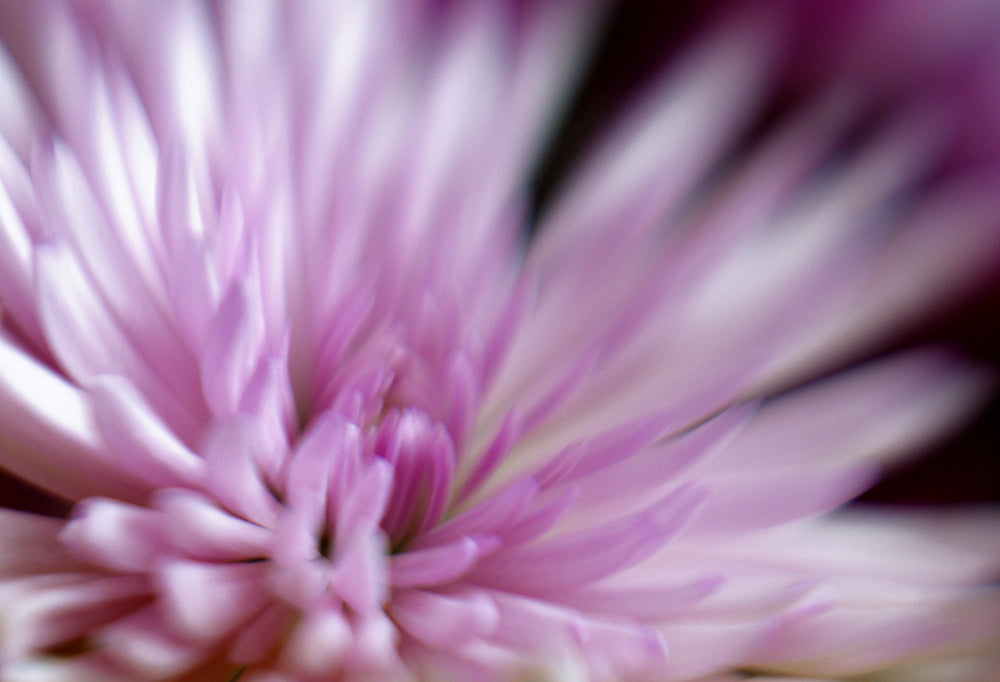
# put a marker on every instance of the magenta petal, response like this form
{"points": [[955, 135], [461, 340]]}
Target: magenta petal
{"points": [[375, 644], [541, 516], [256, 639], [90, 669], [511, 428], [89, 339]]}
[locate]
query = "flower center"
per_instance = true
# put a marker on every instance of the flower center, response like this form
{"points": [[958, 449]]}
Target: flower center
{"points": [[322, 533]]}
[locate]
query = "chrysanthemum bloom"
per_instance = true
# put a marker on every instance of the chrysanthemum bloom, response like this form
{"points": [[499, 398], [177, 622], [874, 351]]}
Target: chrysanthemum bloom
{"points": [[270, 330]]}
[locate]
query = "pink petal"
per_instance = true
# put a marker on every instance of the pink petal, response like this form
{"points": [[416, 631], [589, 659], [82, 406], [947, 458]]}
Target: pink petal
{"points": [[318, 644], [490, 515], [871, 413], [207, 601], [114, 535], [79, 669], [232, 350], [45, 611], [438, 565], [88, 339], [360, 575], [654, 604], [201, 530], [50, 439], [365, 503], [576, 559], [136, 437], [744, 502], [30, 545], [445, 620], [234, 477], [140, 644]]}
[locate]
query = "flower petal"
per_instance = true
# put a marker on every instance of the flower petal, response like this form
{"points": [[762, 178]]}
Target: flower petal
{"points": [[464, 615], [137, 439], [30, 546], [48, 436], [207, 601], [572, 560], [118, 536], [203, 531], [437, 565]]}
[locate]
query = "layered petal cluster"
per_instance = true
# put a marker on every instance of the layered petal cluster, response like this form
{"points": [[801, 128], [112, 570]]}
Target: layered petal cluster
{"points": [[271, 330]]}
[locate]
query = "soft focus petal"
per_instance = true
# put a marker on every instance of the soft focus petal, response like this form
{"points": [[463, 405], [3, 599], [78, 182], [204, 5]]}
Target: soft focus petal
{"points": [[323, 391]]}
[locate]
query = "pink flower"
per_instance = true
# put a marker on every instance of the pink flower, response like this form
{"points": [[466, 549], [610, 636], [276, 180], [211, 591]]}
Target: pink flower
{"points": [[270, 330]]}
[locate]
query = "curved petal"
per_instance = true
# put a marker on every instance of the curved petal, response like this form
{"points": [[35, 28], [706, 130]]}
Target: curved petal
{"points": [[48, 436]]}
